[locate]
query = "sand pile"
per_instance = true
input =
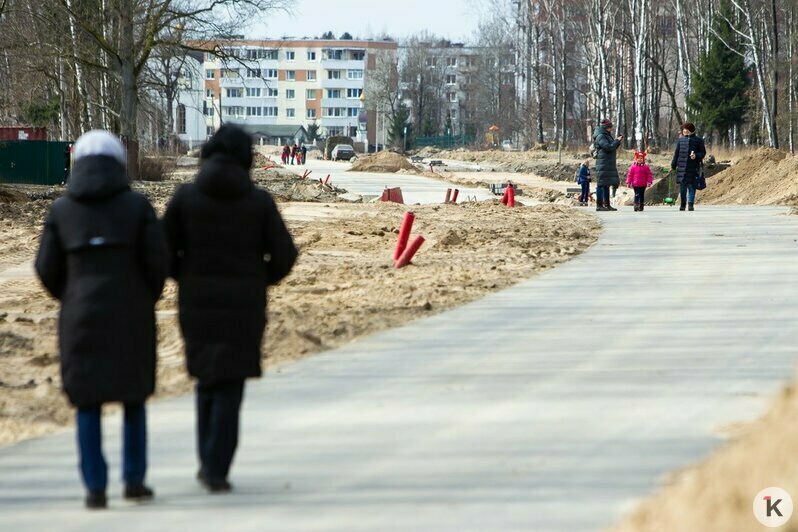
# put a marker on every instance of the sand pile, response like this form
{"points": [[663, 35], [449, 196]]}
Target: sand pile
{"points": [[343, 287], [766, 177], [383, 162]]}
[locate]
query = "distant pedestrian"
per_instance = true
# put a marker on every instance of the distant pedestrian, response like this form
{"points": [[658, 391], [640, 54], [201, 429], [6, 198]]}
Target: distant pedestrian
{"points": [[304, 151], [294, 150], [606, 167], [103, 255], [639, 178], [687, 161], [228, 243], [286, 153], [583, 179]]}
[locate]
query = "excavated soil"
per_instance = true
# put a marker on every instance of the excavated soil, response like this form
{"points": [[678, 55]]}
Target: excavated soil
{"points": [[344, 286], [385, 162], [766, 177], [718, 493]]}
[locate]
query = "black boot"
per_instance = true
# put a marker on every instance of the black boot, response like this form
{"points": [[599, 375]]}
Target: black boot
{"points": [[609, 206], [138, 492], [214, 485], [96, 500], [600, 205], [641, 206], [690, 207], [683, 205]]}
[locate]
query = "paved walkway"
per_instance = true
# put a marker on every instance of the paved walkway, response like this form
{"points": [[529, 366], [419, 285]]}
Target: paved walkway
{"points": [[553, 405]]}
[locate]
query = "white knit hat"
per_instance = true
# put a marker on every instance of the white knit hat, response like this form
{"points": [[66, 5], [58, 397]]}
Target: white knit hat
{"points": [[99, 142]]}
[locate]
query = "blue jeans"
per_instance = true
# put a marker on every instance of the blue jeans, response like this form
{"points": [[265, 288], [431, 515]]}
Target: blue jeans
{"points": [[687, 192], [585, 197], [93, 467]]}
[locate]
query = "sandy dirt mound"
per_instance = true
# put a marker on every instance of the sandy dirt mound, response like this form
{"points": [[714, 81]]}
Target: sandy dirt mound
{"points": [[383, 162], [717, 495], [767, 177], [344, 286]]}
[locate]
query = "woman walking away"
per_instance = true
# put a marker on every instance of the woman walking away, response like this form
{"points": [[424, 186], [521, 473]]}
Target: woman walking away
{"points": [[606, 168], [294, 150], [103, 255], [687, 158], [583, 179], [227, 244], [639, 178], [286, 153]]}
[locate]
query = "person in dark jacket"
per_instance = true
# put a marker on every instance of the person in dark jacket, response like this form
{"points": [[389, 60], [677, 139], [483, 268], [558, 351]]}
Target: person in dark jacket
{"points": [[103, 255], [687, 160], [228, 243], [606, 168], [294, 150], [304, 152], [583, 179]]}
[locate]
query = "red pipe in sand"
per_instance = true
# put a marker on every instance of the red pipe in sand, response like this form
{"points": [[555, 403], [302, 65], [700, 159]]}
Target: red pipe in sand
{"points": [[327, 180], [454, 196], [408, 253], [404, 234], [511, 196], [448, 195]]}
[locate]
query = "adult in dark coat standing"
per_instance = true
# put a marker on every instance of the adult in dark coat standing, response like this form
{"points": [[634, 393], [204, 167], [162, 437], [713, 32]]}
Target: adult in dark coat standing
{"points": [[606, 168], [228, 243], [687, 159], [103, 255]]}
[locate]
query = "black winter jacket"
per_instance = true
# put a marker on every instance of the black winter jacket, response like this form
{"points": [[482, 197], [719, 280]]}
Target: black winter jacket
{"points": [[103, 255], [227, 243], [606, 168], [687, 168]]}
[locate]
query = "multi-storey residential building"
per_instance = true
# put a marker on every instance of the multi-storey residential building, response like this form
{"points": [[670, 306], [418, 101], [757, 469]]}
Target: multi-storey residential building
{"points": [[277, 88]]}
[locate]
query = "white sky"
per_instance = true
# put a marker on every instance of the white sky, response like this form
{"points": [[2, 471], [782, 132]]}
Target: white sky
{"points": [[452, 19]]}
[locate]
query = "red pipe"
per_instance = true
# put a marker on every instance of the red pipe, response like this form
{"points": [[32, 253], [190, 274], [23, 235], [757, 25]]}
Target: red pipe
{"points": [[511, 196], [448, 195], [408, 253], [327, 180], [404, 234], [454, 196]]}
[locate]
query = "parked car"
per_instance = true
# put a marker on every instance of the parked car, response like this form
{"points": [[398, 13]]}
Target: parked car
{"points": [[507, 145], [342, 152]]}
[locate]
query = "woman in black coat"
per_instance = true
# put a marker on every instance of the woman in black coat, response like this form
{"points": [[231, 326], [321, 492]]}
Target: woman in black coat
{"points": [[103, 255], [606, 168], [228, 243], [687, 158]]}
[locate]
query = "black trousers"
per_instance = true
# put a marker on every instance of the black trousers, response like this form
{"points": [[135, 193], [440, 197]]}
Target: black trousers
{"points": [[218, 407], [640, 195]]}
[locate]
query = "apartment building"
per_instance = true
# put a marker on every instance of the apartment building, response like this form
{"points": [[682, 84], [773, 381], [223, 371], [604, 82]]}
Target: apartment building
{"points": [[276, 89]]}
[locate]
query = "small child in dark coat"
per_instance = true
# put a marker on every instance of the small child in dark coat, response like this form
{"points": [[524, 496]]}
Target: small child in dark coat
{"points": [[583, 179]]}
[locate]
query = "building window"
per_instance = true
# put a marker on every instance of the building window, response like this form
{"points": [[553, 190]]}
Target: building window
{"points": [[352, 131], [270, 73], [253, 72], [270, 111], [333, 54], [333, 93], [311, 56], [259, 53], [271, 93], [235, 93], [210, 74], [333, 74], [453, 113], [311, 114], [209, 93], [334, 112], [451, 61], [352, 112], [310, 94], [290, 94], [311, 75], [233, 110], [209, 56], [432, 61], [290, 55], [230, 73], [254, 111], [253, 92], [451, 79], [353, 94], [290, 112], [290, 75], [181, 119], [354, 74], [358, 55], [453, 97], [335, 131], [209, 130]]}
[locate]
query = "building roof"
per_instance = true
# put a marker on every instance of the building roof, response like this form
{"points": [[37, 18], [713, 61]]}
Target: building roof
{"points": [[273, 130]]}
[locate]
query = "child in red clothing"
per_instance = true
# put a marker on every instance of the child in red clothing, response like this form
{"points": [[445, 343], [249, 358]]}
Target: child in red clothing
{"points": [[639, 178]]}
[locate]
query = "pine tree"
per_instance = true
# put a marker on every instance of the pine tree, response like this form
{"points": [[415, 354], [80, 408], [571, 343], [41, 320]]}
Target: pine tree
{"points": [[720, 85]]}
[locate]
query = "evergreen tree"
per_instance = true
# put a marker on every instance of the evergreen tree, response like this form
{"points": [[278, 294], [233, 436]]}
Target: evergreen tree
{"points": [[396, 127], [720, 85]]}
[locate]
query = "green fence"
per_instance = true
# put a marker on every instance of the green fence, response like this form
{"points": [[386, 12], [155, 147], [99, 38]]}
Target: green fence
{"points": [[33, 162], [445, 141]]}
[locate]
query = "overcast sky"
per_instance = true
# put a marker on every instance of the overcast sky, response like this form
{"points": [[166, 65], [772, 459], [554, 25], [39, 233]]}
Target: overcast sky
{"points": [[453, 19]]}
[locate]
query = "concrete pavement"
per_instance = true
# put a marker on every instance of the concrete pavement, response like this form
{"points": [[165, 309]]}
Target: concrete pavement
{"points": [[553, 405]]}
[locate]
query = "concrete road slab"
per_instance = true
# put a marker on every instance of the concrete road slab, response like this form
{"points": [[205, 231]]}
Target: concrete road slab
{"points": [[553, 405]]}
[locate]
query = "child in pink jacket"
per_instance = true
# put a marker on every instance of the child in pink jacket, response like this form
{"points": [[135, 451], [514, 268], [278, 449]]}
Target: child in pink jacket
{"points": [[639, 178]]}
